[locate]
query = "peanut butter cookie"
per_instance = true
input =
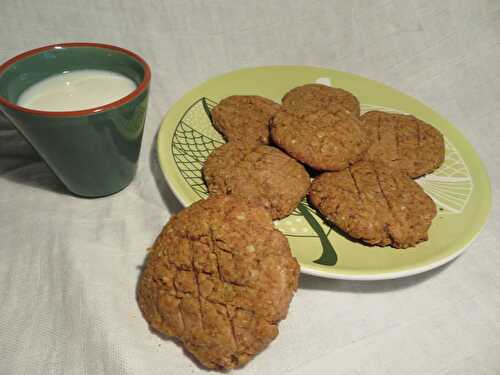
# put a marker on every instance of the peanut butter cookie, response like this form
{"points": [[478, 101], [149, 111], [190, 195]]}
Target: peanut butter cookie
{"points": [[244, 118], [261, 175], [320, 96], [322, 139], [403, 142], [219, 278], [374, 203]]}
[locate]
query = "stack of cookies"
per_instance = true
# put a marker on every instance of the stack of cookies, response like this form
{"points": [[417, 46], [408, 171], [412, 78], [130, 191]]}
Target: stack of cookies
{"points": [[363, 165], [220, 277]]}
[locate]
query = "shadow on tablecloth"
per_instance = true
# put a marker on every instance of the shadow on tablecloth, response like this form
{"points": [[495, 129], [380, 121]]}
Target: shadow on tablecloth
{"points": [[380, 286], [168, 197], [21, 164]]}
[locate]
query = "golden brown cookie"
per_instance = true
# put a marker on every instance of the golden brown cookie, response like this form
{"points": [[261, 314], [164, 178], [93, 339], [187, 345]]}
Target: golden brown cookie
{"points": [[244, 118], [262, 175], [320, 96], [403, 142], [219, 278], [374, 203], [322, 139]]}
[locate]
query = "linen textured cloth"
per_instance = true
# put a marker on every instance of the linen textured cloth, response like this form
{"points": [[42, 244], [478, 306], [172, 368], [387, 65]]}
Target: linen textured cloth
{"points": [[69, 266]]}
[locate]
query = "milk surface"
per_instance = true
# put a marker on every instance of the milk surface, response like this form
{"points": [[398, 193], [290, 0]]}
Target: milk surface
{"points": [[76, 90]]}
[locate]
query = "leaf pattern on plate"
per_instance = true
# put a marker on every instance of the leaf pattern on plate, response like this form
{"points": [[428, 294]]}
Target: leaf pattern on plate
{"points": [[450, 186], [191, 146], [195, 138]]}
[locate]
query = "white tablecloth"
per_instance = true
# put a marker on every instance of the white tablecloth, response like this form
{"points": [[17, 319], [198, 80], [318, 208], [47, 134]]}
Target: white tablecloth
{"points": [[69, 266]]}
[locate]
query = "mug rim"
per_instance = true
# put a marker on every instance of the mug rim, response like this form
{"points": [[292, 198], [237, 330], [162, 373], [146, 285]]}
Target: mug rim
{"points": [[82, 112]]}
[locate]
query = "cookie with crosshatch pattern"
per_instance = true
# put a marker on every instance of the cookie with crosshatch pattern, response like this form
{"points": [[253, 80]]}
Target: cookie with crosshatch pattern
{"points": [[374, 203], [318, 96], [219, 278], [259, 174], [403, 142], [244, 118]]}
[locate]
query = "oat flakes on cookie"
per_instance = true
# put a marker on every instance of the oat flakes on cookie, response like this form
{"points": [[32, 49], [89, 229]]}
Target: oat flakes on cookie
{"points": [[320, 96], [374, 203], [261, 175], [322, 139], [219, 278], [403, 142], [244, 118]]}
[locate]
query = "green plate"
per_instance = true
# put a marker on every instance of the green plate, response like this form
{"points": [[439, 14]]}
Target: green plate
{"points": [[460, 187]]}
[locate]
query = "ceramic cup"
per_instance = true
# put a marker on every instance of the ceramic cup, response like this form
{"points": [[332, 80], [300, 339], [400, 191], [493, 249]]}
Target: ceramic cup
{"points": [[93, 151]]}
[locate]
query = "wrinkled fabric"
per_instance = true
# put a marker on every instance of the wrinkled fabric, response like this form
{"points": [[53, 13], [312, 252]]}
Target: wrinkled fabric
{"points": [[69, 266]]}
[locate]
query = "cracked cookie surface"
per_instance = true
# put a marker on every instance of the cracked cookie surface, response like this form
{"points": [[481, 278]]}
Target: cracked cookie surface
{"points": [[374, 203], [322, 139], [403, 142], [244, 118], [219, 278], [320, 96], [261, 175]]}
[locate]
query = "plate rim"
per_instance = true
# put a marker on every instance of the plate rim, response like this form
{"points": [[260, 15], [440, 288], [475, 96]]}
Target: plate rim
{"points": [[333, 274]]}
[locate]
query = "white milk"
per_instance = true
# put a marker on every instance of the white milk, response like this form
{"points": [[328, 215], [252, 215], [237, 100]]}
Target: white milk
{"points": [[76, 90]]}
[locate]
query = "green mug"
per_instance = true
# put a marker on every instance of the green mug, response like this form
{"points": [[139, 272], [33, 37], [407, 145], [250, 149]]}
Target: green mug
{"points": [[94, 152]]}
